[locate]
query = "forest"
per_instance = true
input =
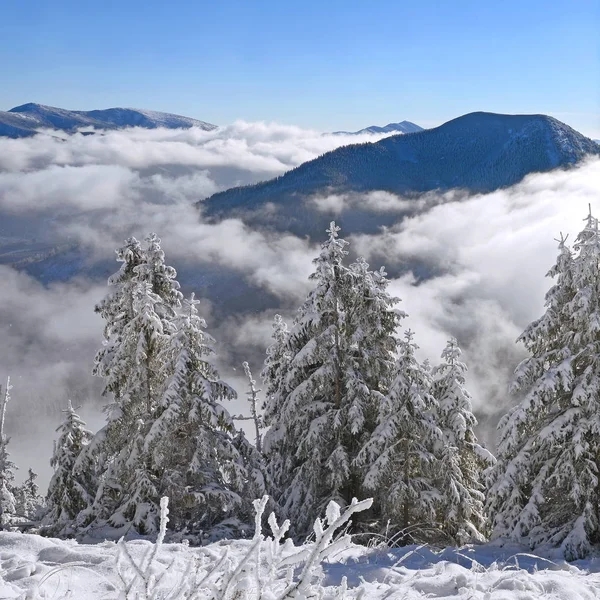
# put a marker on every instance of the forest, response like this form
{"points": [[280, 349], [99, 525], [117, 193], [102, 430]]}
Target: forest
{"points": [[346, 411]]}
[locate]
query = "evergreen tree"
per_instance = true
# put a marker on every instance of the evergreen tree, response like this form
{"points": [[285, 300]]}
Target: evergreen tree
{"points": [[257, 482], [336, 358], [190, 445], [461, 459], [545, 487], [128, 492], [401, 453], [27, 497], [273, 376], [7, 467], [139, 313], [66, 496]]}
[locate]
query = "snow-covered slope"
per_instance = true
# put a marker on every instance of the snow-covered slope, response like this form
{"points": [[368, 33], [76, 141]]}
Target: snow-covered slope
{"points": [[25, 120], [34, 567], [479, 152], [402, 127]]}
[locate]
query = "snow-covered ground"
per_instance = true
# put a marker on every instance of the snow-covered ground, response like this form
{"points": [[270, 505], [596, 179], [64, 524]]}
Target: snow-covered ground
{"points": [[35, 567]]}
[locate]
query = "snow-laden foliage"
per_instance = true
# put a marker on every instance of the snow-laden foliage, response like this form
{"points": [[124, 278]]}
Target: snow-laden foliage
{"points": [[323, 379], [400, 456], [545, 488], [67, 493], [190, 442], [269, 569], [462, 459], [274, 376], [7, 467]]}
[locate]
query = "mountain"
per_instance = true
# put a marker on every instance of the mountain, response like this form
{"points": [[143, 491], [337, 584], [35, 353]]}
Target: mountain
{"points": [[402, 127], [26, 120], [478, 152]]}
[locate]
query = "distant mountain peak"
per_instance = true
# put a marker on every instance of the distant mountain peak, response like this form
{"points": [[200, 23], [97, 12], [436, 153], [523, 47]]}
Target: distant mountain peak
{"points": [[401, 127], [25, 120], [27, 107]]}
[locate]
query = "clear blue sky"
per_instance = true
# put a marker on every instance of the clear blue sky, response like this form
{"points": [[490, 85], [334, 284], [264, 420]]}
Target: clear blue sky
{"points": [[328, 64]]}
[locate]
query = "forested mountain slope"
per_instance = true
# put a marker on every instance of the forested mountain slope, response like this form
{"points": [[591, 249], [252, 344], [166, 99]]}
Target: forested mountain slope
{"points": [[479, 152]]}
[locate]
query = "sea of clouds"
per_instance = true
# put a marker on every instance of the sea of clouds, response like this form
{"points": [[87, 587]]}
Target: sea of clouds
{"points": [[485, 257]]}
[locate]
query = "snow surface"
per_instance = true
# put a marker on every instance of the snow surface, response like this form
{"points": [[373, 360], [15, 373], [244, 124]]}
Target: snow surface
{"points": [[34, 567]]}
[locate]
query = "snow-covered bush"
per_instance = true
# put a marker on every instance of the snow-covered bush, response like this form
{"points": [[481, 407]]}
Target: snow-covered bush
{"points": [[270, 568]]}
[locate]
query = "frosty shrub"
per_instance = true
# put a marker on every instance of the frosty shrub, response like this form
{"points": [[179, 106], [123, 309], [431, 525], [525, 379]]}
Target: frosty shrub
{"points": [[269, 568]]}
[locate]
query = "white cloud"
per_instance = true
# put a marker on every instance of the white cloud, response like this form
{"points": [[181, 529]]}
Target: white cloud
{"points": [[265, 149]]}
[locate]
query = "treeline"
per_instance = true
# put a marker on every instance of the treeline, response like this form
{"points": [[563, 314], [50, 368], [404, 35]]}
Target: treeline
{"points": [[349, 411]]}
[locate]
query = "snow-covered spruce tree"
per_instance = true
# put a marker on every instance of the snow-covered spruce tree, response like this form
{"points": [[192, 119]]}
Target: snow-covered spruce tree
{"points": [[66, 496], [7, 467], [27, 498], [128, 492], [545, 488], [257, 482], [190, 443], [117, 311], [139, 313], [273, 376], [462, 460], [400, 455], [339, 350]]}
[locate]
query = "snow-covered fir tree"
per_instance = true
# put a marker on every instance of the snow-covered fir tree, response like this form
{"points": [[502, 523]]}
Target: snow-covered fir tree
{"points": [[67, 495], [190, 444], [139, 312], [400, 455], [462, 460], [28, 501], [257, 482], [337, 362], [273, 376], [7, 467], [545, 488]]}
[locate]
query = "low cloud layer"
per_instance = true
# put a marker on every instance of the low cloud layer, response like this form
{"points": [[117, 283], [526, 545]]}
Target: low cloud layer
{"points": [[258, 149], [470, 267]]}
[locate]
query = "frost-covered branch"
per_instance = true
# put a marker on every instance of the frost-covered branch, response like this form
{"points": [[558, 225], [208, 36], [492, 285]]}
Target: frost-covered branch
{"points": [[269, 568], [253, 399]]}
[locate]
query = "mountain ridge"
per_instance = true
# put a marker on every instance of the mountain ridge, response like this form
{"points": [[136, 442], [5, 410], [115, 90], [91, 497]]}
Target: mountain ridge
{"points": [[477, 152], [27, 119], [401, 127]]}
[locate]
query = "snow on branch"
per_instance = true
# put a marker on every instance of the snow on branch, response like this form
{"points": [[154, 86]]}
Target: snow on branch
{"points": [[267, 568]]}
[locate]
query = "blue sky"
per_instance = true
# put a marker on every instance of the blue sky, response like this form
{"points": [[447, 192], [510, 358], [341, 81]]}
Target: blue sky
{"points": [[327, 64]]}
